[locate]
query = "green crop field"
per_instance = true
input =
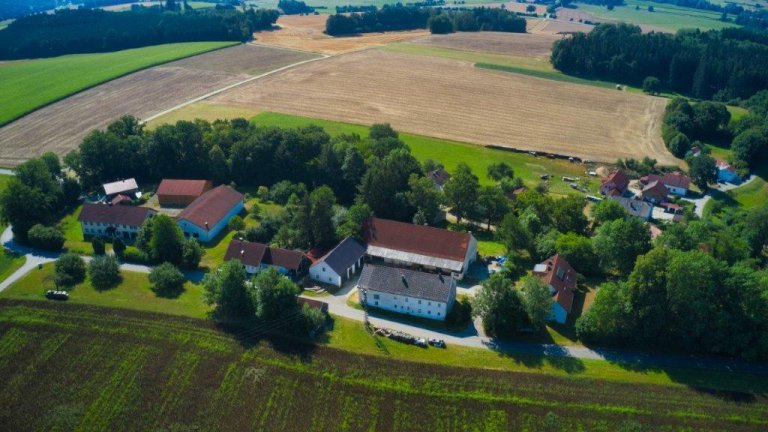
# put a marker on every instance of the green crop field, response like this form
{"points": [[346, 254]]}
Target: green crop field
{"points": [[665, 16], [450, 153], [70, 367], [28, 85]]}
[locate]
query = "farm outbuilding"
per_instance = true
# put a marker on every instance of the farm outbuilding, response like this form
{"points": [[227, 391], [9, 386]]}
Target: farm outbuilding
{"points": [[339, 264], [181, 193], [208, 215]]}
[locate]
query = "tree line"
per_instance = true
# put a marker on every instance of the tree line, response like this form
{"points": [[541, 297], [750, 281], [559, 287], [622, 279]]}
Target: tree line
{"points": [[294, 7], [94, 30], [722, 65], [399, 17]]}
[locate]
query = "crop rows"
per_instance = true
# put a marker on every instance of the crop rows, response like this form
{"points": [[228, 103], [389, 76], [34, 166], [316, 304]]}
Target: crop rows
{"points": [[121, 371]]}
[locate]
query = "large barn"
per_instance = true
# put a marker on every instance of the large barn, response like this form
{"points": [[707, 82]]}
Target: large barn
{"points": [[209, 214], [181, 193]]}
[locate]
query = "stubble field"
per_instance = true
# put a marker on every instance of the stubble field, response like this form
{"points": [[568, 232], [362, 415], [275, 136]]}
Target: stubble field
{"points": [[451, 99], [61, 126]]}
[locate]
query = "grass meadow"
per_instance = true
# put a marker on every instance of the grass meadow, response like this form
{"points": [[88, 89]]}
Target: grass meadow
{"points": [[72, 367], [9, 262], [27, 85], [665, 16]]}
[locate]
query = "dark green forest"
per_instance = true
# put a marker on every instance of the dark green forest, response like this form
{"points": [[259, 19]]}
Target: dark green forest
{"points": [[721, 65], [86, 30]]}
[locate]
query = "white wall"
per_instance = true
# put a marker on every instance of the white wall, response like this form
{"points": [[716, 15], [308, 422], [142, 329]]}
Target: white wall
{"points": [[411, 306], [323, 273], [204, 235], [471, 256], [677, 190], [125, 232]]}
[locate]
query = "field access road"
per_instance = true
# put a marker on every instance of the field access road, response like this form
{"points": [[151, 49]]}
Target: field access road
{"points": [[473, 337]]}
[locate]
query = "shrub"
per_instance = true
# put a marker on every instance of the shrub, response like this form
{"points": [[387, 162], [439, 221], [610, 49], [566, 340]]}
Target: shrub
{"points": [[118, 246], [191, 254], [236, 223], [104, 271], [167, 280], [134, 255], [43, 237], [99, 247], [263, 193], [651, 85], [679, 145], [440, 24], [70, 269], [255, 211]]}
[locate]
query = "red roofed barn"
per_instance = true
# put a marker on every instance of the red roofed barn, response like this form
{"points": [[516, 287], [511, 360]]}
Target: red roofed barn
{"points": [[208, 215], [561, 278], [420, 247], [615, 184], [181, 193]]}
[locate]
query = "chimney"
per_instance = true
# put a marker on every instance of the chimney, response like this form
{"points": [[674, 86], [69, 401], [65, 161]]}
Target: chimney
{"points": [[206, 226]]}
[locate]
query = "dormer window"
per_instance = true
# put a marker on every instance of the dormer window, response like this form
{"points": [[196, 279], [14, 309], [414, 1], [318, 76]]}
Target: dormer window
{"points": [[560, 273]]}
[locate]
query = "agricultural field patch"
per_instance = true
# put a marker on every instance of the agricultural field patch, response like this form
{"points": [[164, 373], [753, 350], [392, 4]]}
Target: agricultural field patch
{"points": [[453, 100], [666, 17], [307, 33], [152, 372], [60, 127], [513, 44], [28, 85]]}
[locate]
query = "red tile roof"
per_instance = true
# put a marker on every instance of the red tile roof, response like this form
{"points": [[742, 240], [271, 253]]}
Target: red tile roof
{"points": [[654, 230], [676, 179], [417, 239], [254, 254], [562, 277], [656, 191], [212, 206], [616, 180], [183, 187], [114, 214]]}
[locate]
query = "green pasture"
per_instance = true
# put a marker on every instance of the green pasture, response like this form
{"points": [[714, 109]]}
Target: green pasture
{"points": [[665, 16], [30, 84]]}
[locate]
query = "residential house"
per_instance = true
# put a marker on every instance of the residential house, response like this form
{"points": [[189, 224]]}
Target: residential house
{"points": [[181, 193], [654, 231], [410, 292], [116, 221], [258, 256], [558, 274], [209, 214], [127, 187], [615, 184], [339, 264], [419, 247], [655, 192], [439, 177], [635, 207], [676, 182], [727, 173]]}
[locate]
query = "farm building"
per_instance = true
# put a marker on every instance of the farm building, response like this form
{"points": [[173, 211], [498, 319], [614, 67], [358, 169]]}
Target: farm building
{"points": [[635, 207], [208, 214], [339, 264], [113, 220], [676, 182], [561, 278], [410, 292], [258, 256], [439, 177], [127, 187], [419, 247], [655, 192], [181, 193], [615, 184], [727, 173]]}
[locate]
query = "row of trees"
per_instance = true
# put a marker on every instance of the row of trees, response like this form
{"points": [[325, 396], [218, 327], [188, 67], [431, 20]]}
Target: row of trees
{"points": [[294, 7], [95, 30], [399, 17], [721, 65]]}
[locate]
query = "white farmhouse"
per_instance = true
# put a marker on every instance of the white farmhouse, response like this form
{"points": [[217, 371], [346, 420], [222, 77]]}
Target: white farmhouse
{"points": [[208, 215], [419, 247], [258, 256], [558, 274], [425, 295], [339, 264], [116, 221]]}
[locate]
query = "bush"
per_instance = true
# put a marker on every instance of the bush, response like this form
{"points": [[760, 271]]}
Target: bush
{"points": [[460, 315], [679, 145], [43, 237], [104, 271], [134, 255], [236, 223], [118, 246], [167, 280], [651, 85], [99, 246], [440, 24], [70, 270], [263, 193], [255, 211], [191, 254]]}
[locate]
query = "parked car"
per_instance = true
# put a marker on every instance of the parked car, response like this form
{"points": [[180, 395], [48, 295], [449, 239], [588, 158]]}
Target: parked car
{"points": [[544, 176], [421, 342], [439, 343], [57, 295]]}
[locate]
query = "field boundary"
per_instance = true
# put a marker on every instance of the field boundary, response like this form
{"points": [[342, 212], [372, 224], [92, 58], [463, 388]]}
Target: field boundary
{"points": [[96, 84]]}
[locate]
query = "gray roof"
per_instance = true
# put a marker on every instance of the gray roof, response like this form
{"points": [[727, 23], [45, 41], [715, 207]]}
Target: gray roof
{"points": [[343, 256], [635, 207], [399, 281], [117, 187]]}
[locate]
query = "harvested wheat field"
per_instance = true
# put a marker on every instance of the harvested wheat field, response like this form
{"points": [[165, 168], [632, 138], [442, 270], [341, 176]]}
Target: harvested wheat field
{"points": [[306, 33], [451, 99], [559, 27], [61, 126], [514, 44]]}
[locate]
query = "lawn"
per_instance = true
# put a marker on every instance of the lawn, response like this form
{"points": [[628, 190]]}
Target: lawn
{"points": [[9, 263], [69, 367], [450, 153], [73, 234], [665, 16], [134, 292], [28, 85]]}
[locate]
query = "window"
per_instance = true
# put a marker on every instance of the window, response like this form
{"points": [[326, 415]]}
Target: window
{"points": [[419, 301], [322, 269], [560, 273], [377, 303], [375, 296], [429, 303]]}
